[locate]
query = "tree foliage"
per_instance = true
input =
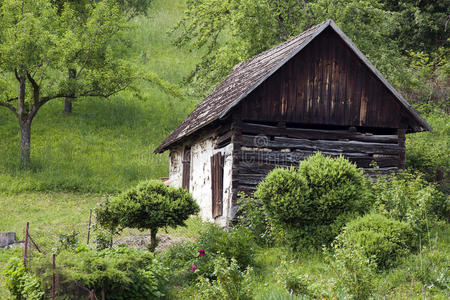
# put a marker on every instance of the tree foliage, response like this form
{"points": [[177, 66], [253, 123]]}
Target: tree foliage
{"points": [[151, 205], [232, 31], [39, 44]]}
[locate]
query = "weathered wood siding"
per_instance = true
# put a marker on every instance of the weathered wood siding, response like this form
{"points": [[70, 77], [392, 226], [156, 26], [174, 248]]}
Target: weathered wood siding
{"points": [[326, 84], [260, 148]]}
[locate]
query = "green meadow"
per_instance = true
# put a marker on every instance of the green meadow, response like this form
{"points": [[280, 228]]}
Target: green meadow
{"points": [[106, 146]]}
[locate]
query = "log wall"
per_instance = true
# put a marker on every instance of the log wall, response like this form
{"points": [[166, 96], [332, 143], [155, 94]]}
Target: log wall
{"points": [[259, 148]]}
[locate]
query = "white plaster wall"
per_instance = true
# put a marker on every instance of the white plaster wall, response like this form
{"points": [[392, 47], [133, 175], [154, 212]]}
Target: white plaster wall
{"points": [[200, 177], [201, 153], [176, 167]]}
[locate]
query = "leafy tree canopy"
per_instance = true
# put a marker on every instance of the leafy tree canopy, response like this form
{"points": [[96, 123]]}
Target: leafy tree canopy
{"points": [[232, 31], [151, 205], [39, 44]]}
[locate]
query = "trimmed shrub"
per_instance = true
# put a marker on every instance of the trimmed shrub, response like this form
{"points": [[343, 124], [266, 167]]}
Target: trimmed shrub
{"points": [[314, 202], [379, 237], [150, 205]]}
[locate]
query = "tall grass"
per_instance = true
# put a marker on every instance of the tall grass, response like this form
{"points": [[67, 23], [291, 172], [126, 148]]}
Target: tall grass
{"points": [[105, 145]]}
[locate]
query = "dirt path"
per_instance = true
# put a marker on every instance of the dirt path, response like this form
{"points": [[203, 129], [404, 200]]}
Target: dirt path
{"points": [[141, 241]]}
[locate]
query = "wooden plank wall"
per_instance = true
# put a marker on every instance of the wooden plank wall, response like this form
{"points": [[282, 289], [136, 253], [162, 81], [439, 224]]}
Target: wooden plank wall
{"points": [[260, 148], [326, 84]]}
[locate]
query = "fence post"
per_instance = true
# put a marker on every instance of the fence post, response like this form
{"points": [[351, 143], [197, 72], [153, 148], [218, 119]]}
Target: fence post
{"points": [[25, 248], [89, 226], [53, 277]]}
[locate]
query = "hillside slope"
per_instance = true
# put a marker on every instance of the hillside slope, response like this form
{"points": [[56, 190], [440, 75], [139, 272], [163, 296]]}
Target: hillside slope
{"points": [[105, 145]]}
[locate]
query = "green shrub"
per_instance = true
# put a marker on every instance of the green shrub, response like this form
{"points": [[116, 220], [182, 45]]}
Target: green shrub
{"points": [[151, 205], [425, 273], [379, 237], [231, 282], [21, 283], [430, 266], [313, 202], [294, 281], [354, 271], [237, 243], [407, 197], [181, 257], [429, 152], [253, 216], [213, 243], [67, 240], [121, 273]]}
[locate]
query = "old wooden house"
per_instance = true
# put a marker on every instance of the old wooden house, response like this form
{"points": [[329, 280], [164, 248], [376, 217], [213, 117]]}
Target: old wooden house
{"points": [[314, 92]]}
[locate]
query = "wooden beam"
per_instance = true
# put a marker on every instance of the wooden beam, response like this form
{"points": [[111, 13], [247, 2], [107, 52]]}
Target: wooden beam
{"points": [[315, 134], [320, 145]]}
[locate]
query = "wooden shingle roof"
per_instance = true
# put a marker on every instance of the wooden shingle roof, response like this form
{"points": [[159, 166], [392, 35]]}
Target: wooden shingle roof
{"points": [[248, 75]]}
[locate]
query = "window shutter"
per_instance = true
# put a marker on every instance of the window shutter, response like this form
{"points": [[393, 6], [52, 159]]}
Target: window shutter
{"points": [[186, 168], [217, 184]]}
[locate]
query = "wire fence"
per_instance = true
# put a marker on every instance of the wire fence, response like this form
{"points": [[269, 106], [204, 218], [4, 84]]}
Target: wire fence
{"points": [[60, 285]]}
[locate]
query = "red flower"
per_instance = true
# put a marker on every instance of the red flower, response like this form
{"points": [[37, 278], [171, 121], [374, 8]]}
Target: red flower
{"points": [[193, 267], [201, 252]]}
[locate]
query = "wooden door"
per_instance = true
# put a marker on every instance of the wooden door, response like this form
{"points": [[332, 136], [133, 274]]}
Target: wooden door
{"points": [[186, 168], [217, 184]]}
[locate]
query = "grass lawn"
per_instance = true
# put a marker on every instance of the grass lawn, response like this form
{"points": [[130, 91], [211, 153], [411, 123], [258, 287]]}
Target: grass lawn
{"points": [[105, 146]]}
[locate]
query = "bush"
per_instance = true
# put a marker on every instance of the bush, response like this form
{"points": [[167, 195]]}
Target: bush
{"points": [[21, 283], [67, 240], [237, 243], [231, 282], [407, 197], [355, 272], [379, 237], [150, 205], [121, 273], [429, 152], [253, 217], [294, 281], [313, 202], [213, 243]]}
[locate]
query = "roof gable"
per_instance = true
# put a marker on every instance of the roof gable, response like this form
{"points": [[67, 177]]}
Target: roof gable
{"points": [[247, 76]]}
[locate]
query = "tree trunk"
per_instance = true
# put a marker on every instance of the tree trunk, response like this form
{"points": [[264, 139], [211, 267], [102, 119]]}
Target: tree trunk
{"points": [[68, 100], [67, 106], [153, 241], [25, 134], [24, 122]]}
